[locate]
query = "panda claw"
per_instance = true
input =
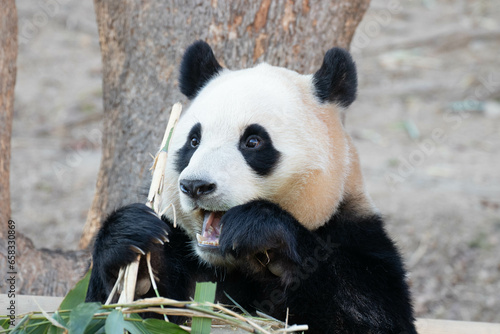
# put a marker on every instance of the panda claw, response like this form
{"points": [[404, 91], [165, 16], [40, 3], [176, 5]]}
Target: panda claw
{"points": [[165, 231], [158, 241], [137, 250]]}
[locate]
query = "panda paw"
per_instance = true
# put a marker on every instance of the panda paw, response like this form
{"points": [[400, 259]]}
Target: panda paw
{"points": [[131, 230], [261, 232]]}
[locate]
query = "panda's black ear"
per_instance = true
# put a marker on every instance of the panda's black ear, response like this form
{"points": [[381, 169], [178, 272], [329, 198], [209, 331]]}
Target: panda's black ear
{"points": [[198, 66], [336, 81]]}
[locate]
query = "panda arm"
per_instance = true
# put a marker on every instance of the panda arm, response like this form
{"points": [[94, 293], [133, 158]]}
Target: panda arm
{"points": [[123, 235], [347, 274], [257, 228]]}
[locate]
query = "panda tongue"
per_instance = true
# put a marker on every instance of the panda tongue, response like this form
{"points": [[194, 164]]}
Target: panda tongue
{"points": [[211, 229]]}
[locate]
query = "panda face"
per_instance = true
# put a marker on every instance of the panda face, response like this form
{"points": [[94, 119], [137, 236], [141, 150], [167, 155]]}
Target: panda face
{"points": [[258, 133], [251, 134]]}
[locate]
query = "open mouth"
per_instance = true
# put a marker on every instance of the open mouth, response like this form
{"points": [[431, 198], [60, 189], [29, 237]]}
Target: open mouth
{"points": [[210, 232]]}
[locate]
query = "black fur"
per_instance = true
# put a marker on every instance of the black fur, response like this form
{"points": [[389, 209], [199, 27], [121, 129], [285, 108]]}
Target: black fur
{"points": [[345, 277], [198, 66], [184, 155], [263, 158], [257, 227], [336, 81], [132, 225]]}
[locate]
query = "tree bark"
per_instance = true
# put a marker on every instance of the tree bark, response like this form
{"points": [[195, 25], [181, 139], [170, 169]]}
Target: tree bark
{"points": [[41, 272], [8, 57], [142, 43]]}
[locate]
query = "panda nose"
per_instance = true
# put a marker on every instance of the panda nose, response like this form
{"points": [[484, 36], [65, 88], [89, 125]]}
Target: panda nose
{"points": [[196, 188]]}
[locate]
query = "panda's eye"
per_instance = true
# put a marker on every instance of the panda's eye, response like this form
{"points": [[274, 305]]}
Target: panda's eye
{"points": [[253, 142], [194, 142]]}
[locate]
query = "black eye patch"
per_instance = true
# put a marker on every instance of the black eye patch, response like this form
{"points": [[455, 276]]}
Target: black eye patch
{"points": [[257, 148], [184, 154]]}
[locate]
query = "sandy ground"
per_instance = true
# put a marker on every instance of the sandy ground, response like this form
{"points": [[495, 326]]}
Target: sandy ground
{"points": [[430, 156]]}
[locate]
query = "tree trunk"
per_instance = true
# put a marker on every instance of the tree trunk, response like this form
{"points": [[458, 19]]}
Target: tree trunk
{"points": [[142, 44], [42, 272], [8, 56]]}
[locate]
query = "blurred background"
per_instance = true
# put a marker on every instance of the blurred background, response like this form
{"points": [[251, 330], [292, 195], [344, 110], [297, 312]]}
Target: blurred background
{"points": [[426, 123]]}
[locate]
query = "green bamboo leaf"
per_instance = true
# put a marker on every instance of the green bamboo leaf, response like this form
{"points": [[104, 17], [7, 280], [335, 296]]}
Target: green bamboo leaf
{"points": [[55, 330], [156, 326], [20, 324], [38, 326], [81, 316], [28, 325], [136, 319], [77, 295], [5, 323], [205, 292], [63, 320], [101, 330], [95, 326], [135, 328], [115, 323], [151, 326], [137, 323]]}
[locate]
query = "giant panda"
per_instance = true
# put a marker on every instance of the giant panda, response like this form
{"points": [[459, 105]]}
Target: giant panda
{"points": [[269, 201]]}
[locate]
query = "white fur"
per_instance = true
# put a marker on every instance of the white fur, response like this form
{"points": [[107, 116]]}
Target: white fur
{"points": [[302, 130]]}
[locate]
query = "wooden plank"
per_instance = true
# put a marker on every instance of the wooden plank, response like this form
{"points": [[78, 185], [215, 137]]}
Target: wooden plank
{"points": [[28, 303], [434, 326]]}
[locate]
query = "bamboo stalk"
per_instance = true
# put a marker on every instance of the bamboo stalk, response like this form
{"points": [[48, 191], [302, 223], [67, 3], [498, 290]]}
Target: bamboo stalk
{"points": [[127, 278], [238, 316], [118, 282], [129, 282], [156, 188]]}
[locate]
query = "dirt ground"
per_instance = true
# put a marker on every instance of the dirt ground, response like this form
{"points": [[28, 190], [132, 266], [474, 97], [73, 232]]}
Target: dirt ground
{"points": [[426, 123]]}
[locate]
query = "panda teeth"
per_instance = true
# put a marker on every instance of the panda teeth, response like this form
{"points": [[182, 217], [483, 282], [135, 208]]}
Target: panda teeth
{"points": [[210, 230], [202, 241]]}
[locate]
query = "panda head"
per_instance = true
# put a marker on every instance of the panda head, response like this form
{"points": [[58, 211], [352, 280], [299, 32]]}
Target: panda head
{"points": [[260, 133]]}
